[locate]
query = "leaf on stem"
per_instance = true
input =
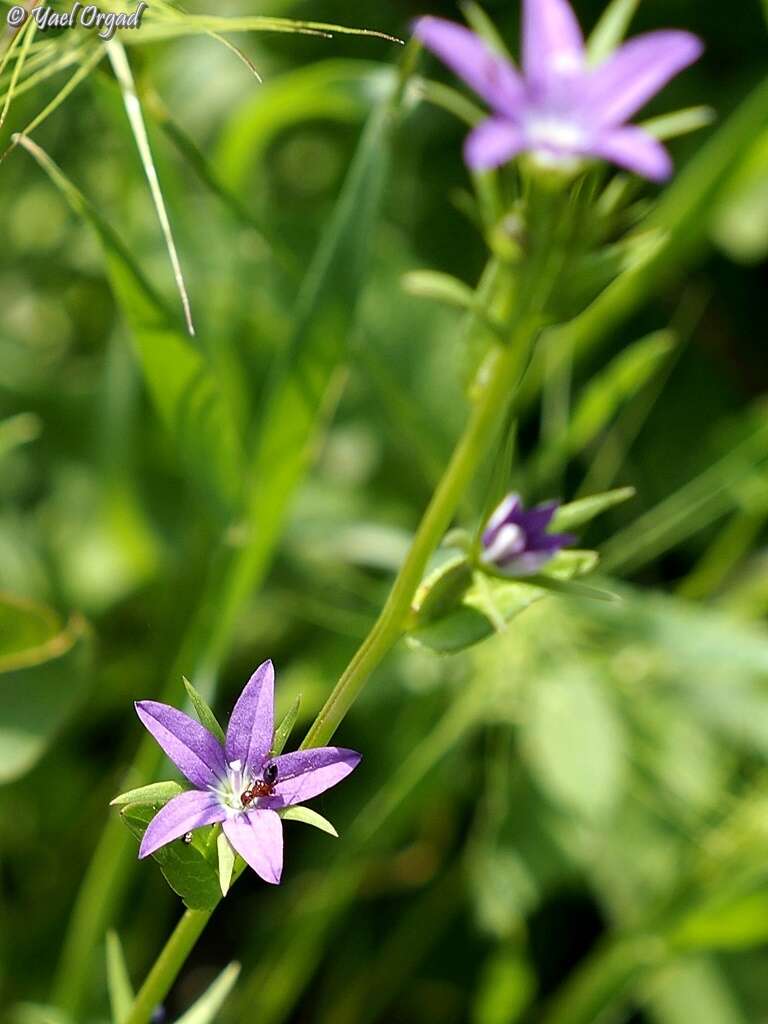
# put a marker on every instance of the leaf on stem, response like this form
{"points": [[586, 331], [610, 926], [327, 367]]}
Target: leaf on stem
{"points": [[118, 980], [203, 711]]}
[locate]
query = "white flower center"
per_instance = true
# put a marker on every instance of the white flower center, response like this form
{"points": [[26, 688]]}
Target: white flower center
{"points": [[230, 790], [553, 132]]}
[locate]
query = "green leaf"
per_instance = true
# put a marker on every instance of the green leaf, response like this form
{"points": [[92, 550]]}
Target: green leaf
{"points": [[203, 712], [191, 869], [156, 793], [118, 981], [489, 605], [206, 1009], [226, 859], [569, 564], [574, 743], [740, 221], [726, 922], [611, 29], [577, 513], [285, 727], [44, 669], [442, 590], [507, 986], [124, 76], [309, 817], [181, 381]]}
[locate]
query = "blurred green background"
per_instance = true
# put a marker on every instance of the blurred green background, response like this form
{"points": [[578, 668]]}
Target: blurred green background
{"points": [[566, 823]]}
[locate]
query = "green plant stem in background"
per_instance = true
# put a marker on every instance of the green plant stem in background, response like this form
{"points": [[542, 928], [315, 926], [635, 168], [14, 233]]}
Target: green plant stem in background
{"points": [[488, 415], [167, 966]]}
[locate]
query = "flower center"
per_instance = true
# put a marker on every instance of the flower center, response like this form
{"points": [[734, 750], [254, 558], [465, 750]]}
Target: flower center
{"points": [[243, 788], [555, 133]]}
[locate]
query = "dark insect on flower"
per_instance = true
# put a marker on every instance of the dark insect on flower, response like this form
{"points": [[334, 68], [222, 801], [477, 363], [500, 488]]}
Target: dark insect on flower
{"points": [[223, 776], [188, 838], [263, 787]]}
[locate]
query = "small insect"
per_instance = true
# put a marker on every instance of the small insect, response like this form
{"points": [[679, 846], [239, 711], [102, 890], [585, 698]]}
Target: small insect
{"points": [[188, 838], [262, 787]]}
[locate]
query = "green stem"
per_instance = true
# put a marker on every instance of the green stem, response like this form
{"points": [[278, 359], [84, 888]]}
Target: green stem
{"points": [[500, 376], [167, 966]]}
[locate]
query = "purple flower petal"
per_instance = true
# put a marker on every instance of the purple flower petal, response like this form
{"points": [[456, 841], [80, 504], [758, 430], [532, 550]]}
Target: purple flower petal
{"points": [[258, 838], [490, 75], [553, 46], [306, 773], [506, 512], [251, 725], [193, 750], [537, 519], [492, 143], [637, 71], [185, 812], [636, 150]]}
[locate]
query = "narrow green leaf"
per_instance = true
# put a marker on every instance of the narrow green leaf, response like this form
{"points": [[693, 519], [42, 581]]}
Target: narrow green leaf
{"points": [[226, 856], [156, 794], [122, 69], [610, 29], [576, 513], [309, 817], [203, 711], [477, 19], [118, 981], [285, 727], [206, 1009], [27, 34]]}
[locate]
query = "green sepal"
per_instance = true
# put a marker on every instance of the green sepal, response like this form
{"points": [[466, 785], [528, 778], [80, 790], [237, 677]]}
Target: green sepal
{"points": [[577, 513], [226, 859], [191, 869], [285, 727], [309, 817], [203, 712], [157, 794]]}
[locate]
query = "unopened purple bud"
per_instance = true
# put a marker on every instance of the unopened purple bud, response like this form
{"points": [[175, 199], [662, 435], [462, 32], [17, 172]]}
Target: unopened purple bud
{"points": [[515, 542]]}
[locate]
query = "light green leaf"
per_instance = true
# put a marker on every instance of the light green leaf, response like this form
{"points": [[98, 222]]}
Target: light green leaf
{"points": [[507, 986], [207, 1007], [431, 284], [203, 712], [156, 793], [44, 668], [577, 513], [573, 741], [442, 590], [489, 605], [118, 981], [285, 727], [191, 869], [226, 856], [309, 817], [726, 922]]}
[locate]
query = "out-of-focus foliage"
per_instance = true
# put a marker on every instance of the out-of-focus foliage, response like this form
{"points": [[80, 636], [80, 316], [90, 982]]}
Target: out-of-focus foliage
{"points": [[567, 819]]}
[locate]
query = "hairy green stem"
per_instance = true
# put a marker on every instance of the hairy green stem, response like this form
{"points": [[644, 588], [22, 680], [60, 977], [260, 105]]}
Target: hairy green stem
{"points": [[167, 966]]}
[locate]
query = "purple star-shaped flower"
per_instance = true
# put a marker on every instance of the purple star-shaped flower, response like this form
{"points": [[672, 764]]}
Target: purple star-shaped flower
{"points": [[560, 108], [516, 542], [238, 784]]}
